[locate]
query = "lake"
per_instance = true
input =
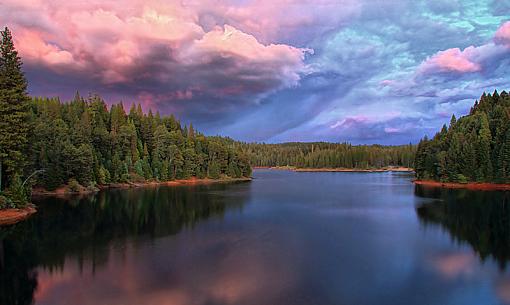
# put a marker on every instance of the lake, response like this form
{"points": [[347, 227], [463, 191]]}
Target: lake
{"points": [[284, 238]]}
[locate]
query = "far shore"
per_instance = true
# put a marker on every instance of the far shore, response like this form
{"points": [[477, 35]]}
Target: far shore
{"points": [[475, 186], [65, 191], [341, 169], [13, 216]]}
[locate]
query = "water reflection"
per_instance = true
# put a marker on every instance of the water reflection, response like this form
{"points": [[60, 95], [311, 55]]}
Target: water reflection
{"points": [[318, 238], [84, 231], [481, 219]]}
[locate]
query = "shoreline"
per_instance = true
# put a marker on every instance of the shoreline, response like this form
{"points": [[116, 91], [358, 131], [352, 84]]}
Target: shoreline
{"points": [[340, 169], [179, 182], [64, 190], [474, 186], [12, 216]]}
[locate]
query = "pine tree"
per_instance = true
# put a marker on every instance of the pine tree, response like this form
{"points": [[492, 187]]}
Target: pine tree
{"points": [[505, 157], [484, 150], [14, 112], [453, 121]]}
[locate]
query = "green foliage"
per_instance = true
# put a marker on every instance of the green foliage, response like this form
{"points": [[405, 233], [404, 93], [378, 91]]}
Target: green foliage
{"points": [[74, 186], [84, 141], [16, 193], [328, 155], [475, 148], [214, 170], [14, 114], [4, 202], [461, 178], [103, 176]]}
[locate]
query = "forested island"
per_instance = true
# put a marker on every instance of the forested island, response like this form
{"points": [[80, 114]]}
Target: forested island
{"points": [[330, 156], [82, 144], [472, 149]]}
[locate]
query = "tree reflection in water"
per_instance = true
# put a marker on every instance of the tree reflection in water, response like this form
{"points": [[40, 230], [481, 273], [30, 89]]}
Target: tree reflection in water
{"points": [[82, 228], [479, 218]]}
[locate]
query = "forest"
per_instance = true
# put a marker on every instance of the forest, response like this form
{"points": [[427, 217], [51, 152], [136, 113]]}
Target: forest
{"points": [[83, 143], [84, 140], [474, 148], [329, 155]]}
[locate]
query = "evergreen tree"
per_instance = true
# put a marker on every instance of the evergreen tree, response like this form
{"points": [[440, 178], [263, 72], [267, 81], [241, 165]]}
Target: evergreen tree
{"points": [[14, 112], [83, 142], [477, 145], [484, 150]]}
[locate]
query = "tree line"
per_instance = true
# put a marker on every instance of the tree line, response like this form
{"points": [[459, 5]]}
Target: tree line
{"points": [[475, 148], [329, 155], [84, 140], [83, 143]]}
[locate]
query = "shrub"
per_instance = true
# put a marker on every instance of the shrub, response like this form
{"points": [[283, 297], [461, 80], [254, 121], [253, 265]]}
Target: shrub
{"points": [[214, 170], [74, 186], [461, 178], [17, 193], [3, 202]]}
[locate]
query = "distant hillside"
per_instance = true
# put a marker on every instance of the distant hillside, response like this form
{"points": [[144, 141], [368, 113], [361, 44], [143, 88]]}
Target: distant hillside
{"points": [[329, 155]]}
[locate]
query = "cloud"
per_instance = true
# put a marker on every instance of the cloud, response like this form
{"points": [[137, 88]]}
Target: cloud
{"points": [[471, 59], [246, 68], [503, 34], [152, 47], [374, 126], [451, 60]]}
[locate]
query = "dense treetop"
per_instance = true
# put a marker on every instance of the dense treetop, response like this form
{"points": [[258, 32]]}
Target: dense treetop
{"points": [[86, 141], [329, 155], [474, 148]]}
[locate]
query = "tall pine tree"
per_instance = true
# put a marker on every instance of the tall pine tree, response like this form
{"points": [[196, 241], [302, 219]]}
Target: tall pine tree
{"points": [[14, 113]]}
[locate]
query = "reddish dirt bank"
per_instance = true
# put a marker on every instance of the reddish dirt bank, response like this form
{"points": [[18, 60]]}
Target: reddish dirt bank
{"points": [[470, 186], [191, 181], [370, 170], [65, 191], [338, 169], [12, 216]]}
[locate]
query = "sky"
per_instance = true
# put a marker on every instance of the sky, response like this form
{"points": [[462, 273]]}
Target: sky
{"points": [[362, 71]]}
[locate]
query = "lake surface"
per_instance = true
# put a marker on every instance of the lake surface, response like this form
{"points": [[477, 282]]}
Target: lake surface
{"points": [[285, 238]]}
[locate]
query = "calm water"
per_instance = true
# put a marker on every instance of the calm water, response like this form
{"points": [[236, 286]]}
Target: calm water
{"points": [[285, 238]]}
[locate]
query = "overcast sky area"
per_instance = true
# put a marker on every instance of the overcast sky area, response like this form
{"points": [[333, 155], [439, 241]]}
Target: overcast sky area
{"points": [[363, 71]]}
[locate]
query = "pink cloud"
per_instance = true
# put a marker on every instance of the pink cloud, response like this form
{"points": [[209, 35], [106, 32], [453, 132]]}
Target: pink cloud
{"points": [[503, 34], [471, 59], [360, 119], [270, 20], [350, 122], [229, 42], [34, 48], [451, 60], [119, 43], [387, 82]]}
